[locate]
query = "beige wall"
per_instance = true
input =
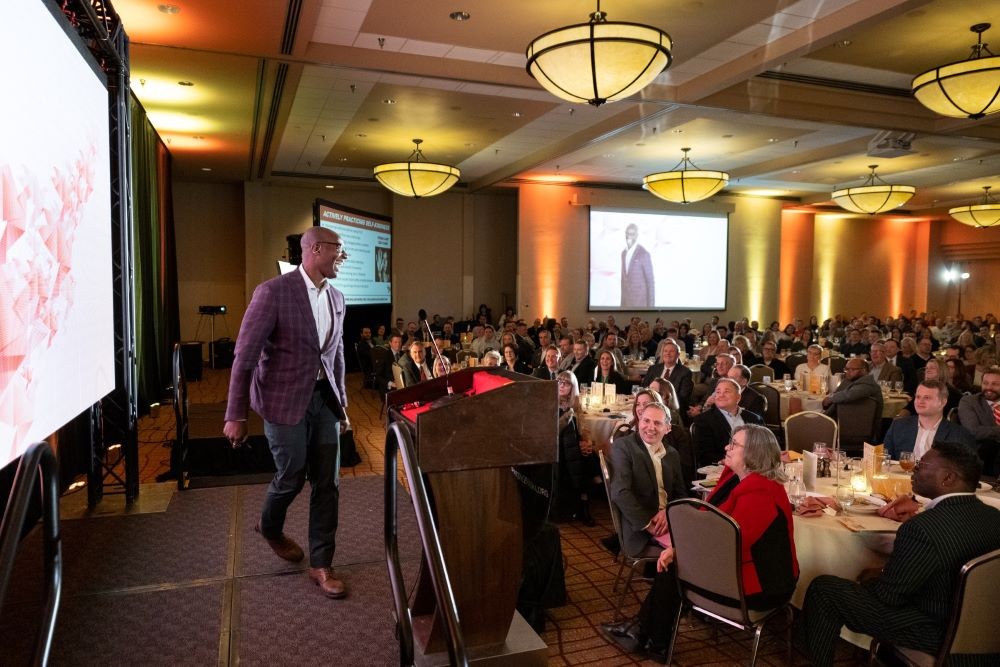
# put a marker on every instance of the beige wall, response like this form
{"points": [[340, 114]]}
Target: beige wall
{"points": [[976, 251]]}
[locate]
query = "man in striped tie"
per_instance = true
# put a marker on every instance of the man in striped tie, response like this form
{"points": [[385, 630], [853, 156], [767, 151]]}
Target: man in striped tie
{"points": [[980, 415]]}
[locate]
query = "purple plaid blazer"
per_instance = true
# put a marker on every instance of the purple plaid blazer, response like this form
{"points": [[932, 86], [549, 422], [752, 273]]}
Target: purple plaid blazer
{"points": [[278, 352]]}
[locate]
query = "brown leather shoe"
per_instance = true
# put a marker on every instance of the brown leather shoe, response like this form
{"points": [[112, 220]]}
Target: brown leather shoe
{"points": [[332, 587], [285, 547]]}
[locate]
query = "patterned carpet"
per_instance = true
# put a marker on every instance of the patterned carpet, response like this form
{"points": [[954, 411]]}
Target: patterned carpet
{"points": [[196, 585]]}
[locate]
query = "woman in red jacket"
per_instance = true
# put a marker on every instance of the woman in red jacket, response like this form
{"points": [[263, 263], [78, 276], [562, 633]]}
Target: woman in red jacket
{"points": [[751, 491]]}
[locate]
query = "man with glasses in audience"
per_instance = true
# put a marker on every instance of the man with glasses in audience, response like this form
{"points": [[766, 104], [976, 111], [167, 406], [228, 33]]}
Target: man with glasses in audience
{"points": [[909, 603], [881, 370], [778, 367]]}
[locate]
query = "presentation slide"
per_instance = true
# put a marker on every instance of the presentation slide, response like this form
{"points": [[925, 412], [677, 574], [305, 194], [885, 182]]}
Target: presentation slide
{"points": [[56, 323], [641, 260], [366, 277]]}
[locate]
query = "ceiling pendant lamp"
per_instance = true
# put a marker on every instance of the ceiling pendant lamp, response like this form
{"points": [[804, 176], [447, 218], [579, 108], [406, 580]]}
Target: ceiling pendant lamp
{"points": [[966, 89], [416, 177], [980, 216], [873, 196], [599, 61], [685, 183]]}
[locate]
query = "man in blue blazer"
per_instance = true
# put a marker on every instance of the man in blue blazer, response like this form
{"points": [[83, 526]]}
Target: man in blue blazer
{"points": [[909, 603], [917, 432], [289, 367]]}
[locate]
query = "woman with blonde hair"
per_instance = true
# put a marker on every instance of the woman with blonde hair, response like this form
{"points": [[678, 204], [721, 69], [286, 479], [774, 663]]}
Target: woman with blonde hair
{"points": [[576, 459]]}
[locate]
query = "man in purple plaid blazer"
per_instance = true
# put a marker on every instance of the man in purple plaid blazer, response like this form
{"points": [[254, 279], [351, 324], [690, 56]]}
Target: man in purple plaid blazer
{"points": [[289, 367]]}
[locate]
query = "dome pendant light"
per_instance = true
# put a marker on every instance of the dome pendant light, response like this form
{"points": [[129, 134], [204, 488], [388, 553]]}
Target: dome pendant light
{"points": [[685, 183], [600, 61], [980, 216], [966, 89], [873, 196], [417, 178]]}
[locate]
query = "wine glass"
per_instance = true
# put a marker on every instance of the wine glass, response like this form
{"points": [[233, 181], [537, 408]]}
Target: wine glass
{"points": [[897, 387], [788, 382], [796, 491], [845, 496], [819, 449], [907, 461]]}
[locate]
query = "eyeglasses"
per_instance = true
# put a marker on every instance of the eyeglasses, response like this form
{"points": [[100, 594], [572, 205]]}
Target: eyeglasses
{"points": [[734, 444], [562, 382], [338, 246]]}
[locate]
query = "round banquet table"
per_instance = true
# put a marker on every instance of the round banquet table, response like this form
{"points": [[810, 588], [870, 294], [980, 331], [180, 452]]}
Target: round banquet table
{"points": [[601, 425], [796, 401]]}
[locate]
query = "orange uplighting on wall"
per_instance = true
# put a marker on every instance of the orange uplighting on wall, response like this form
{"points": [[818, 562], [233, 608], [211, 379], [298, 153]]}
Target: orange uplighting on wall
{"points": [[897, 229], [153, 91], [827, 247], [795, 262]]}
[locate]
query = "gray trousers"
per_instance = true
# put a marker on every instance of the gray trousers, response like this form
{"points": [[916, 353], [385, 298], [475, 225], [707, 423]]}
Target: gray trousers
{"points": [[309, 448]]}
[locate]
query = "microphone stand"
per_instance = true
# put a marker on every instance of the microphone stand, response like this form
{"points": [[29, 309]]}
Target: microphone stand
{"points": [[440, 357]]}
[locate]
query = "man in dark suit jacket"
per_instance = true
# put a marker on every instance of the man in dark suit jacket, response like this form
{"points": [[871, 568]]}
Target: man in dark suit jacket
{"points": [[638, 288], [711, 429], [857, 385], [916, 432], [679, 375], [905, 366], [383, 359], [289, 367], [778, 367], [414, 366], [909, 604], [978, 413], [750, 398], [582, 364], [548, 367], [635, 489]]}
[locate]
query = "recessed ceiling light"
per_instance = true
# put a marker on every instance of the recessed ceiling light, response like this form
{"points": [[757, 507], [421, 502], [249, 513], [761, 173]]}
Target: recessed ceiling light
{"points": [[185, 83], [795, 171], [459, 16], [361, 135], [343, 159], [169, 9], [388, 100], [677, 131], [516, 114], [772, 140], [842, 44], [329, 187], [206, 169]]}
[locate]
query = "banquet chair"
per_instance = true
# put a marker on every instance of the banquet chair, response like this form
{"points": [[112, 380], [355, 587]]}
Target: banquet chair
{"points": [[632, 561], [464, 355], [397, 376], [708, 561], [836, 364], [971, 628], [759, 371], [793, 360], [772, 415], [858, 422], [804, 428], [365, 364]]}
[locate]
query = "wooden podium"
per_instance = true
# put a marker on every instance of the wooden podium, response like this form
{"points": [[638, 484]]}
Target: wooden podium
{"points": [[466, 444]]}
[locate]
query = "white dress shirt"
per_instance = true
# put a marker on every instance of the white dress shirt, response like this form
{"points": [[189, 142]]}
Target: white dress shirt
{"points": [[319, 301]]}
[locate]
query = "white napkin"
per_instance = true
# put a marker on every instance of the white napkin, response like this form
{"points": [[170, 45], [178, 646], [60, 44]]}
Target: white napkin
{"points": [[809, 462]]}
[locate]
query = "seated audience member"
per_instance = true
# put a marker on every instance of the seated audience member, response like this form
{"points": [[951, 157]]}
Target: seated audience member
{"points": [[610, 343], [414, 366], [751, 491], [635, 347], [679, 437], [383, 363], [485, 342], [448, 332], [544, 341], [380, 337], [549, 368], [750, 398], [980, 415], [936, 370], [670, 368], [577, 462], [854, 345], [957, 375], [491, 358], [814, 355], [583, 364], [511, 360], [723, 364], [856, 386], [801, 342], [711, 430], [645, 476], [895, 357], [747, 354], [917, 432], [909, 604], [565, 352], [881, 370], [778, 367], [986, 358], [606, 372], [923, 354]]}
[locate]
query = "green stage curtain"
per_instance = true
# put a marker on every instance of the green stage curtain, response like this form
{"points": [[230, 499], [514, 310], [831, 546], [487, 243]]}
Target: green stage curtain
{"points": [[157, 322]]}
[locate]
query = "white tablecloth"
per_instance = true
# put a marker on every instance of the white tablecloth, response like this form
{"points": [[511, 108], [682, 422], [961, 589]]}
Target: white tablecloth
{"points": [[891, 405]]}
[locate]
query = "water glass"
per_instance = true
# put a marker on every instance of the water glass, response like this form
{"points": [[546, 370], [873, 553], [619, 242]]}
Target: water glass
{"points": [[766, 379], [796, 491], [845, 496], [897, 387], [819, 449], [788, 382]]}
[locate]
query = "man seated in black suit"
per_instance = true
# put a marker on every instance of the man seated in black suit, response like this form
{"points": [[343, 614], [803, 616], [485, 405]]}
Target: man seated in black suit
{"points": [[750, 398], [414, 366], [712, 428], [909, 603], [544, 341], [854, 345], [549, 368], [645, 476], [857, 385], [583, 364], [383, 362], [980, 415], [905, 366], [669, 367], [778, 367]]}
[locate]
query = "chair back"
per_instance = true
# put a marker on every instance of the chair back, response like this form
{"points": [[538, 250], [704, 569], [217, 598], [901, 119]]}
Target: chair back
{"points": [[365, 364], [836, 364], [707, 551], [463, 355], [793, 360], [858, 422], [971, 629], [616, 520], [178, 453], [805, 428], [953, 416], [759, 371], [772, 415], [397, 376]]}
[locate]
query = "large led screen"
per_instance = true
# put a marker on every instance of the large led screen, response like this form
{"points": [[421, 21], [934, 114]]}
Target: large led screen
{"points": [[366, 276], [56, 328], [657, 261]]}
